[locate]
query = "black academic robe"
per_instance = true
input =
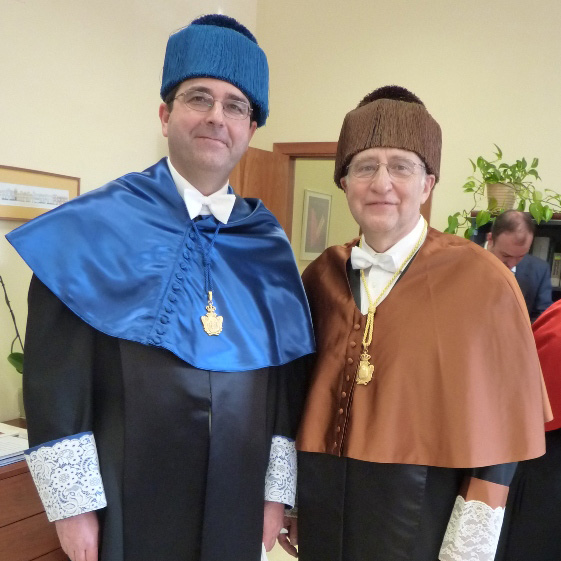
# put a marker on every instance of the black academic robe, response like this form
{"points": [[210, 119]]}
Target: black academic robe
{"points": [[351, 510], [532, 522], [183, 452]]}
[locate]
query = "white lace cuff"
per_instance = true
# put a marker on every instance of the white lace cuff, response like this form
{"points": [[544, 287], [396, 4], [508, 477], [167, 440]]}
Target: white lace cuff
{"points": [[66, 474], [280, 481], [472, 533]]}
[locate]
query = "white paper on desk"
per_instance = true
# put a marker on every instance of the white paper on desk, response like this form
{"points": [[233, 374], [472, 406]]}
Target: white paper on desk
{"points": [[263, 553], [9, 430], [12, 446]]}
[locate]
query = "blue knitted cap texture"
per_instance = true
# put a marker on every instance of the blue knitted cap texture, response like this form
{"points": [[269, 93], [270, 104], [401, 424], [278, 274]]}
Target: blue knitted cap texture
{"points": [[208, 49]]}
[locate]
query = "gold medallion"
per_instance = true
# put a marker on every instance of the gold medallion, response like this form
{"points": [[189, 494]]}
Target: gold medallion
{"points": [[365, 370], [212, 323]]}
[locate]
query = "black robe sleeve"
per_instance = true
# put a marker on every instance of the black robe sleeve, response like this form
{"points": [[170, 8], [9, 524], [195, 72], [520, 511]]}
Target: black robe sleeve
{"points": [[476, 519], [58, 368], [292, 385]]}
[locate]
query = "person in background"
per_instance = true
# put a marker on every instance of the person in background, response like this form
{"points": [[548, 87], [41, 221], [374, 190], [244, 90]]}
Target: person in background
{"points": [[510, 239], [426, 387], [533, 515], [165, 314]]}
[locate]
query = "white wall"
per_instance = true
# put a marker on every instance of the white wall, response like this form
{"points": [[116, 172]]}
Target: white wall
{"points": [[80, 97], [487, 70]]}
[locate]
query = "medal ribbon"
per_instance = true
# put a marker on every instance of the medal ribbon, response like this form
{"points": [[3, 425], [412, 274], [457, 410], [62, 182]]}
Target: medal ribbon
{"points": [[207, 261], [365, 368]]}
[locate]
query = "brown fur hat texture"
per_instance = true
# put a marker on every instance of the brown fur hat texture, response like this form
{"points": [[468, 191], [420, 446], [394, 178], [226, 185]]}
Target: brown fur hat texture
{"points": [[389, 117]]}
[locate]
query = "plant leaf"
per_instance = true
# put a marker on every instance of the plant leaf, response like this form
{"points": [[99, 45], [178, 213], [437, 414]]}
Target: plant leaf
{"points": [[547, 213], [521, 205], [499, 153], [452, 224], [16, 360], [469, 232], [534, 163], [536, 210], [483, 216]]}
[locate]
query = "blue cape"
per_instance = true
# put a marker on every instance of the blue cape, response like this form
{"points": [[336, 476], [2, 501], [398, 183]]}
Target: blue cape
{"points": [[125, 259]]}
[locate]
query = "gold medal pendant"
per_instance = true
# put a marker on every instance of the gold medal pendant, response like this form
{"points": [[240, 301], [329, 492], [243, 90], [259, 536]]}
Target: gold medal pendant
{"points": [[212, 324], [365, 370]]}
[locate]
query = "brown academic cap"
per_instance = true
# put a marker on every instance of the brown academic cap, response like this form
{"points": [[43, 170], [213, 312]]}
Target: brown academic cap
{"points": [[389, 117]]}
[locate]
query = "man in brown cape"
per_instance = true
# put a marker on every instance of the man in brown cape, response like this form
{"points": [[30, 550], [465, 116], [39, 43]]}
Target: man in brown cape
{"points": [[426, 387]]}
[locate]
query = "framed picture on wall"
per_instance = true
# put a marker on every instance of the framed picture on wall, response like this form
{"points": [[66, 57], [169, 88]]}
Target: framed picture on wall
{"points": [[315, 224], [26, 193]]}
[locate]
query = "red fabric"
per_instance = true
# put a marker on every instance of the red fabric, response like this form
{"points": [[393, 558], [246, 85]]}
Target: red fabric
{"points": [[547, 332]]}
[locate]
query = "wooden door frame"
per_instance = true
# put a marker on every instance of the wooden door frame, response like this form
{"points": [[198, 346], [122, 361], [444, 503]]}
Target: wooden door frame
{"points": [[287, 152]]}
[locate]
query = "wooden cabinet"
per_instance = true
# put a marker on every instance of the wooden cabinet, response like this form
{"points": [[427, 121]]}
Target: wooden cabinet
{"points": [[25, 532]]}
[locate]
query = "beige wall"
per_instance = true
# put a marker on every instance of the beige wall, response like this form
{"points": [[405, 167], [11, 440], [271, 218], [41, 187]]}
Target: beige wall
{"points": [[487, 70], [317, 175], [79, 96], [278, 554]]}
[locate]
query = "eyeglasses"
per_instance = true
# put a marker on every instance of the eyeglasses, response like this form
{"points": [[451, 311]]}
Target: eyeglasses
{"points": [[204, 102], [398, 169]]}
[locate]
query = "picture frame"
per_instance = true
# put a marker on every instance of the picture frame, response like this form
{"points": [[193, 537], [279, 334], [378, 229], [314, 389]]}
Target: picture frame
{"points": [[27, 193], [315, 224]]}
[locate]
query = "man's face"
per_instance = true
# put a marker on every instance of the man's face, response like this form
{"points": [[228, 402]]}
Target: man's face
{"points": [[385, 207], [509, 248], [206, 142]]}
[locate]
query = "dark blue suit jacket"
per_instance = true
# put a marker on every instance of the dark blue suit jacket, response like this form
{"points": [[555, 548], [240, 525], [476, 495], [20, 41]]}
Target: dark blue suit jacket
{"points": [[534, 278]]}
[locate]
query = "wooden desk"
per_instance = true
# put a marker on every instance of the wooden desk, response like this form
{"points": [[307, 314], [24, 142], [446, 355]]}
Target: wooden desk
{"points": [[25, 533]]}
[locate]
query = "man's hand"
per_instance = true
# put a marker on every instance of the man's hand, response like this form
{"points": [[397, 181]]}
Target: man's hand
{"points": [[79, 536], [272, 523], [290, 540]]}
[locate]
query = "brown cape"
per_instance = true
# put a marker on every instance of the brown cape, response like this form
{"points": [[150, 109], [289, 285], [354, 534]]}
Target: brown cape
{"points": [[457, 380]]}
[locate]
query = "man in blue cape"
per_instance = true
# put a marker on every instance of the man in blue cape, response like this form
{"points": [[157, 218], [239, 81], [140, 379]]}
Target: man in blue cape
{"points": [[165, 315]]}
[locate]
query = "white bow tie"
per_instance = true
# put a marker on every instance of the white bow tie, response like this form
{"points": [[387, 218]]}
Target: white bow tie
{"points": [[361, 259], [219, 205]]}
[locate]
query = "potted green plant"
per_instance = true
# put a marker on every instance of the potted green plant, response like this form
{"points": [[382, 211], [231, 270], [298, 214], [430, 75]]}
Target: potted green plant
{"points": [[15, 359], [516, 182]]}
